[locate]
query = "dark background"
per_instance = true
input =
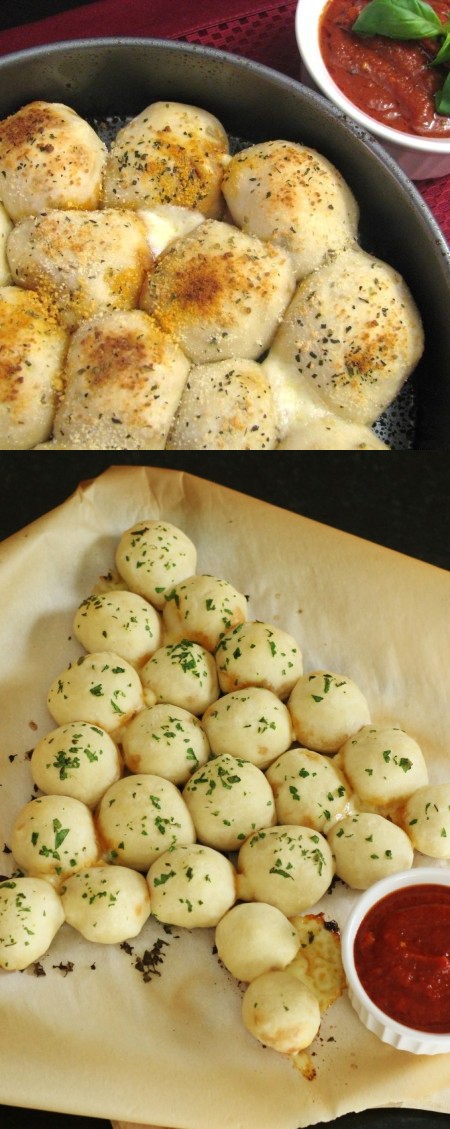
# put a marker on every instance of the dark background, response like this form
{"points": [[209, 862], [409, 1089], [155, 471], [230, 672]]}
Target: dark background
{"points": [[397, 499], [16, 12]]}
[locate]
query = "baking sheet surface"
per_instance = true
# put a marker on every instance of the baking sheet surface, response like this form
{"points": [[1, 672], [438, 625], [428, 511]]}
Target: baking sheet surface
{"points": [[165, 1044]]}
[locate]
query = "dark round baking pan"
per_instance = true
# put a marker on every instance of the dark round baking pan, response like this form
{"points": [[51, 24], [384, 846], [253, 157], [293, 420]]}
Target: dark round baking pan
{"points": [[115, 78]]}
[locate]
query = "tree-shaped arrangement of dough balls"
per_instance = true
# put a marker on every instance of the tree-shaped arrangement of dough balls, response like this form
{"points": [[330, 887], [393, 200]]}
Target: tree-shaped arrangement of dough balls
{"points": [[197, 775]]}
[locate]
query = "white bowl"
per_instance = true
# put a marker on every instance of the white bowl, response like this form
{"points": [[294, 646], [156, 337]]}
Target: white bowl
{"points": [[419, 157], [389, 1030]]}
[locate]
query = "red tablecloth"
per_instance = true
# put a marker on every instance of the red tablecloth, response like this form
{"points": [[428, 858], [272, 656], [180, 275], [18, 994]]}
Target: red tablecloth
{"points": [[264, 32]]}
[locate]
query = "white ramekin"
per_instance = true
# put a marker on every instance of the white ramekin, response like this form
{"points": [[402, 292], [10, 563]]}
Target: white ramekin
{"points": [[389, 1030], [419, 157]]}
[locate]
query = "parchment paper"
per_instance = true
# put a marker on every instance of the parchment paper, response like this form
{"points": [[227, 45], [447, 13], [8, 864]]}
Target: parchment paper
{"points": [[101, 1039]]}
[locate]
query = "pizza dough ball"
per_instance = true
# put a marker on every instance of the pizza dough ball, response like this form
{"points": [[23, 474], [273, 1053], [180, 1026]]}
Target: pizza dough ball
{"points": [[121, 621], [101, 688], [170, 153], [78, 760], [225, 406], [326, 709], [123, 379], [367, 847], [292, 195], [139, 818], [153, 556], [228, 799], [50, 157], [31, 913], [166, 741], [32, 350], [183, 674], [251, 724], [308, 789], [253, 938], [425, 816], [281, 1012], [384, 766], [321, 431], [107, 904], [348, 341], [191, 887], [220, 293], [288, 867], [53, 836], [258, 654], [88, 263], [202, 608]]}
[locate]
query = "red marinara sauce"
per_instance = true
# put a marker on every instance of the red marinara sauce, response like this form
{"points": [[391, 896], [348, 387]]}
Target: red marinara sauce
{"points": [[391, 80], [402, 956]]}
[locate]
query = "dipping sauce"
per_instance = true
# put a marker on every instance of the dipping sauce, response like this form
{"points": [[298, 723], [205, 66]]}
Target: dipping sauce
{"points": [[391, 80], [402, 956]]}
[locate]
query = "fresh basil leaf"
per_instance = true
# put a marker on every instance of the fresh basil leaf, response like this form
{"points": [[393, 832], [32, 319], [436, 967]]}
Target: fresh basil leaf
{"points": [[443, 54], [442, 98], [398, 19]]}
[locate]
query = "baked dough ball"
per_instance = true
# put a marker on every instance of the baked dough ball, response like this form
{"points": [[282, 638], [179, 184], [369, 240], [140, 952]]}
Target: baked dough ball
{"points": [[123, 380], [101, 688], [425, 816], [49, 158], [87, 263], [308, 789], [228, 798], [32, 351], [225, 406], [367, 847], [281, 1012], [220, 293], [122, 621], [78, 759], [107, 904], [253, 938], [5, 228], [202, 608], [54, 836], [349, 340], [251, 724], [171, 153], [191, 886], [326, 709], [139, 818], [258, 654], [322, 431], [293, 196], [31, 913], [153, 556], [288, 867], [383, 765], [165, 741], [184, 674]]}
